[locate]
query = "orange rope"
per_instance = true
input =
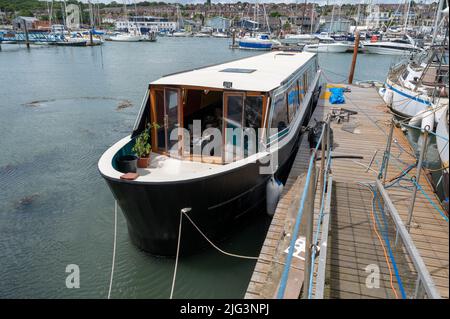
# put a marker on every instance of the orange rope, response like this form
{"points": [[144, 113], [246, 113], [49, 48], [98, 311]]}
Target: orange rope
{"points": [[384, 251]]}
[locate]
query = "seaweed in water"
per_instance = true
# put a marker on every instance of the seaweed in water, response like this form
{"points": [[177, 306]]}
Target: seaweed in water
{"points": [[124, 104], [26, 201]]}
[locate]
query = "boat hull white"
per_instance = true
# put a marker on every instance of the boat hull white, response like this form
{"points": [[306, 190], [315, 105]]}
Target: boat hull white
{"points": [[327, 48], [403, 101]]}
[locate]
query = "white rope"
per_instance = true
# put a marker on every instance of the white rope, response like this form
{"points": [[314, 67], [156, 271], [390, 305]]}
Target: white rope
{"points": [[176, 258], [114, 249], [212, 244]]}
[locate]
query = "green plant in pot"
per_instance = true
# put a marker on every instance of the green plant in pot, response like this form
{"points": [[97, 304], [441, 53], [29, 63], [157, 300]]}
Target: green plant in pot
{"points": [[142, 148]]}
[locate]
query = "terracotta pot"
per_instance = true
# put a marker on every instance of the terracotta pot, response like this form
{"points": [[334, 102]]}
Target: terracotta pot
{"points": [[143, 162]]}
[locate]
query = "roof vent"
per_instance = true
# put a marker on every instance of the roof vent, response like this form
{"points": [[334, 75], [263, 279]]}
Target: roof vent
{"points": [[237, 70]]}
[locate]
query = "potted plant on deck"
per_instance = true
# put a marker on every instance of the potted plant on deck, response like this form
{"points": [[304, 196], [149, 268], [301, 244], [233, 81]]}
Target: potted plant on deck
{"points": [[142, 147]]}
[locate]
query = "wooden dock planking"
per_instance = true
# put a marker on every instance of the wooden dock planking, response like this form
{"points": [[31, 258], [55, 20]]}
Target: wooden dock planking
{"points": [[353, 244]]}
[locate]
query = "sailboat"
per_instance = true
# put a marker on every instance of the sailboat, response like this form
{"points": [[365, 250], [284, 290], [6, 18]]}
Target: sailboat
{"points": [[133, 33], [326, 44], [406, 46], [257, 40]]}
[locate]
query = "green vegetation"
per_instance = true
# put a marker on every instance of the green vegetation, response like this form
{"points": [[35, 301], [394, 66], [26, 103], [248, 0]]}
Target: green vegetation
{"points": [[275, 14]]}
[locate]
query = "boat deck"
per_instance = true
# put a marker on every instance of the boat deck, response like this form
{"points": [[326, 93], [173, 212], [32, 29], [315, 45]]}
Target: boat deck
{"points": [[353, 243]]}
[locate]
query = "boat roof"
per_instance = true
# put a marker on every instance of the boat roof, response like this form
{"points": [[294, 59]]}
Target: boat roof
{"points": [[261, 73]]}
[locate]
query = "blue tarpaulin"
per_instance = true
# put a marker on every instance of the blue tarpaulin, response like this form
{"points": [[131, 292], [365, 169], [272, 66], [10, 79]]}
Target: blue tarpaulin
{"points": [[337, 96]]}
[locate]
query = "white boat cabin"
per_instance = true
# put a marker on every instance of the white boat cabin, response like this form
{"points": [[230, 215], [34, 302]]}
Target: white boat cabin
{"points": [[260, 92]]}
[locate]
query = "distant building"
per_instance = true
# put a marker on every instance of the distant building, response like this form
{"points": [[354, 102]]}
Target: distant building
{"points": [[220, 24], [19, 23], [190, 25], [247, 24], [335, 25], [146, 23]]}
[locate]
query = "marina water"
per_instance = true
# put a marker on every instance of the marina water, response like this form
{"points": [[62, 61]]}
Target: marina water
{"points": [[60, 109]]}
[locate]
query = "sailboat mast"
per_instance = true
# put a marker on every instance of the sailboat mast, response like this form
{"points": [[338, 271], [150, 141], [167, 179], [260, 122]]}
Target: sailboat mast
{"points": [[407, 14], [436, 20], [303, 16]]}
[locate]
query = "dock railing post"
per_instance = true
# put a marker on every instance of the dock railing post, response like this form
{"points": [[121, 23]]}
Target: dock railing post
{"points": [[27, 40], [309, 225], [387, 152], [355, 54], [322, 159], [416, 180]]}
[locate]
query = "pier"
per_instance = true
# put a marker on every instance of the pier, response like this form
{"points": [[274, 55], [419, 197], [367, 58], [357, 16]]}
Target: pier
{"points": [[375, 238]]}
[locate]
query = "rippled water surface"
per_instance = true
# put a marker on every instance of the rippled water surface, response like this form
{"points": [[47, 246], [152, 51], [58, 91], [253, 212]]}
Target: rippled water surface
{"points": [[59, 111]]}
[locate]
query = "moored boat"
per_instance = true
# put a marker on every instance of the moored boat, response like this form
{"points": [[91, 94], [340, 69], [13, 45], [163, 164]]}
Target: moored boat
{"points": [[251, 111], [256, 42]]}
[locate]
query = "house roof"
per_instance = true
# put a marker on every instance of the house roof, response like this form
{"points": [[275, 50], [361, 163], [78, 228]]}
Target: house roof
{"points": [[29, 19], [261, 73]]}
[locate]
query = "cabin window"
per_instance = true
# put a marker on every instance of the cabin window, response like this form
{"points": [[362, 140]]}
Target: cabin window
{"points": [[279, 114], [405, 74], [171, 97], [253, 112], [305, 82], [159, 110], [293, 101], [205, 107], [234, 115], [301, 91], [253, 109]]}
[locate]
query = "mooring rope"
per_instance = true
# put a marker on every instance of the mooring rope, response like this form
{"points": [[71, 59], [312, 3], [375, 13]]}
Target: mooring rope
{"points": [[114, 249], [212, 244], [177, 255], [215, 246]]}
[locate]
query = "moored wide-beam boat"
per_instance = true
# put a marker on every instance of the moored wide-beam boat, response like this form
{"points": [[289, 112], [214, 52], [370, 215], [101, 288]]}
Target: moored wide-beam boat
{"points": [[223, 132]]}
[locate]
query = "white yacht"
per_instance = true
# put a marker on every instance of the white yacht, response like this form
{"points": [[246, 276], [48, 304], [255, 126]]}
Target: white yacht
{"points": [[391, 47], [328, 44], [126, 37]]}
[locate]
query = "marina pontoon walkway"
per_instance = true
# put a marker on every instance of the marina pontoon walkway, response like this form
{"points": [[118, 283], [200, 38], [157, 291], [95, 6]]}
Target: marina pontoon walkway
{"points": [[355, 231]]}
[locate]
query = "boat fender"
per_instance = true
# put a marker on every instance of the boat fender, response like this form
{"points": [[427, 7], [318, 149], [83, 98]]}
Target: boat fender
{"points": [[273, 191], [388, 97]]}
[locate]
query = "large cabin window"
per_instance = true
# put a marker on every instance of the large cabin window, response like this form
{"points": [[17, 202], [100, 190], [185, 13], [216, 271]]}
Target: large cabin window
{"points": [[253, 113], [234, 116], [301, 91], [293, 101], [279, 115]]}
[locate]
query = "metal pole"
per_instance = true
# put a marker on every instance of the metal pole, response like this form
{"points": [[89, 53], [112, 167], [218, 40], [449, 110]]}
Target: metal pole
{"points": [[436, 21], [27, 40], [423, 150], [322, 159], [355, 55], [309, 223], [383, 173]]}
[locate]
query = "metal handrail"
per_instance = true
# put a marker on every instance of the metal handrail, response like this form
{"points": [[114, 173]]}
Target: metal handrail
{"points": [[287, 266], [424, 276]]}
